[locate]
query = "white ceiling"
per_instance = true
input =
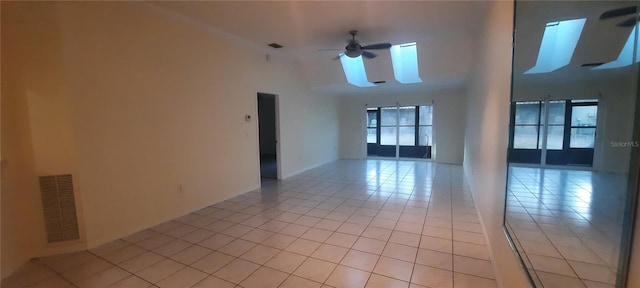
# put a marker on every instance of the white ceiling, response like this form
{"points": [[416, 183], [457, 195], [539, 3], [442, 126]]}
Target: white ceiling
{"points": [[445, 32], [600, 41]]}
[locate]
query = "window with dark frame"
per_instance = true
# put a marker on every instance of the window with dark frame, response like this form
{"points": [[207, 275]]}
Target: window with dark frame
{"points": [[413, 123]]}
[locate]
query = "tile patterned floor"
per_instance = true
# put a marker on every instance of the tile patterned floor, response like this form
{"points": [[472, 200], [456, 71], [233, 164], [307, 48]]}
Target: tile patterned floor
{"points": [[350, 223], [567, 224]]}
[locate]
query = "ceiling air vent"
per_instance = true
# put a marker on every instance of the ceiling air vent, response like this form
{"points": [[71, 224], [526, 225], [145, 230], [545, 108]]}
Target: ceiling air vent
{"points": [[379, 82], [275, 45]]}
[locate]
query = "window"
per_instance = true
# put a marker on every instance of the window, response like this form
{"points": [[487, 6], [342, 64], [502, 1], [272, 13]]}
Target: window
{"points": [[407, 125], [583, 124], [527, 125], [404, 132], [425, 126], [388, 121], [555, 132], [372, 124]]}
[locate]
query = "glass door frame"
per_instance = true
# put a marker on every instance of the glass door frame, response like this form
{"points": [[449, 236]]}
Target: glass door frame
{"points": [[565, 157], [399, 151]]}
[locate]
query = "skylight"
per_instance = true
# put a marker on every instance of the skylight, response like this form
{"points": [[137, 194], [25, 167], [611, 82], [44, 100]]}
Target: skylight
{"points": [[558, 43], [405, 63], [354, 71], [626, 55]]}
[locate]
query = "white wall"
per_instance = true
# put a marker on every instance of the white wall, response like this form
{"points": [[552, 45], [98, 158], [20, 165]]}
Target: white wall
{"points": [[486, 137], [145, 101], [448, 122]]}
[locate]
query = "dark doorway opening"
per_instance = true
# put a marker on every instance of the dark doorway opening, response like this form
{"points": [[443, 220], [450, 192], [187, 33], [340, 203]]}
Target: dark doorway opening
{"points": [[267, 115]]}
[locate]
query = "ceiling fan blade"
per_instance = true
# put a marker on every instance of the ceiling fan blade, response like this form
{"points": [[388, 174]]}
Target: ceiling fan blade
{"points": [[368, 54], [629, 22], [619, 12], [377, 46]]}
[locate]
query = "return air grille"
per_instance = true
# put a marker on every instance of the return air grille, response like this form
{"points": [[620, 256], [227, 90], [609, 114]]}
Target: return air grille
{"points": [[58, 201]]}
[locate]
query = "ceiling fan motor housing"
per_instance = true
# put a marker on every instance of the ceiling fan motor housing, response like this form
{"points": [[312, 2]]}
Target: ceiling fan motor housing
{"points": [[353, 50]]}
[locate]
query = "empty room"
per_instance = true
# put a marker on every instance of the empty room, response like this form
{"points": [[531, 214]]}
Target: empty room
{"points": [[296, 144]]}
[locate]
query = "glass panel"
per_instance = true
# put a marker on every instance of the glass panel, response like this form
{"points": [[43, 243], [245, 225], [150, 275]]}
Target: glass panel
{"points": [[425, 138], [408, 136], [582, 137], [589, 202], [556, 112], [555, 137], [426, 115], [408, 115], [371, 135], [584, 115], [525, 137], [372, 119], [527, 112], [388, 116], [387, 135]]}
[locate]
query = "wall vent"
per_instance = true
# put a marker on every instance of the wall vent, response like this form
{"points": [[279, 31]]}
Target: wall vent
{"points": [[59, 204]]}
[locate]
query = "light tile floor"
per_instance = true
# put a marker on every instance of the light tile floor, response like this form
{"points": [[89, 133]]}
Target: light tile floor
{"points": [[567, 224], [350, 223]]}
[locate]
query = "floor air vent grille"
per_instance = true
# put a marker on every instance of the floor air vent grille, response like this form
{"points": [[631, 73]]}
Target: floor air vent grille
{"points": [[58, 201]]}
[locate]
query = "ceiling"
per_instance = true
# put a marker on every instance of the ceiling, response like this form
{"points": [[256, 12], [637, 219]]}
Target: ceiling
{"points": [[600, 40], [445, 33]]}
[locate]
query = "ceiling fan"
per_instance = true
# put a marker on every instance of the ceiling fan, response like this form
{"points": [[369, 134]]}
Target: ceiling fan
{"points": [[622, 12], [354, 49]]}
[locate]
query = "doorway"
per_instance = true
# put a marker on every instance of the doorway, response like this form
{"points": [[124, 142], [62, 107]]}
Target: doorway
{"points": [[268, 139]]}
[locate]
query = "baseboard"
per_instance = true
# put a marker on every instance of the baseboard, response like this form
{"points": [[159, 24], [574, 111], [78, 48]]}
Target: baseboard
{"points": [[284, 177], [102, 241], [484, 230]]}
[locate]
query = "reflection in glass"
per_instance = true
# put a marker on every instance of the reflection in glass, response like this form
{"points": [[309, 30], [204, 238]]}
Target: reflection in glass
{"points": [[388, 116], [555, 137], [387, 135], [527, 113], [407, 136], [424, 135], [556, 112], [584, 115], [372, 119], [568, 204], [525, 137], [426, 115], [407, 115], [558, 43], [582, 137], [371, 135]]}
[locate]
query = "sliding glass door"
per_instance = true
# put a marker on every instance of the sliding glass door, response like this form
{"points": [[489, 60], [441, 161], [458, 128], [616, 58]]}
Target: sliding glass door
{"points": [[401, 131], [553, 132]]}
